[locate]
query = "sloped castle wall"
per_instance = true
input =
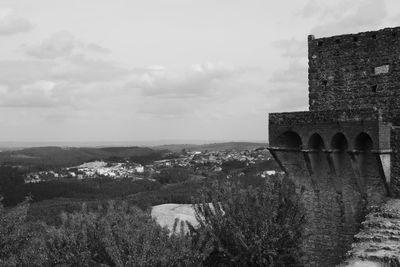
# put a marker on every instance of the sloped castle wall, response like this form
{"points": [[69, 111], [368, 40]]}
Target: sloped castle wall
{"points": [[334, 159]]}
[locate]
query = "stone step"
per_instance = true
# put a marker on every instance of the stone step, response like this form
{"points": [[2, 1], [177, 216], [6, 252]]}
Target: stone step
{"points": [[379, 239]]}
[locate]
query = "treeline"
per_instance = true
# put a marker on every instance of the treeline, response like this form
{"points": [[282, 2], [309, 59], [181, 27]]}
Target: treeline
{"points": [[14, 190], [239, 225], [44, 158]]}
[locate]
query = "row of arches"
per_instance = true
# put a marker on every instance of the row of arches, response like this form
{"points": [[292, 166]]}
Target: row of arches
{"points": [[341, 157], [292, 140]]}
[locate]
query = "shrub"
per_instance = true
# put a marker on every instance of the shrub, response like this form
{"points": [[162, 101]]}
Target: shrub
{"points": [[11, 183], [173, 175], [20, 242], [120, 235], [251, 226]]}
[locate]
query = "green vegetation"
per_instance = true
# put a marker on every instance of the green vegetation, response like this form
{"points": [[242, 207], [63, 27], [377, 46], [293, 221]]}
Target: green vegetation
{"points": [[244, 226], [180, 193], [173, 175], [14, 190], [252, 226], [44, 158], [238, 146], [119, 235], [252, 221]]}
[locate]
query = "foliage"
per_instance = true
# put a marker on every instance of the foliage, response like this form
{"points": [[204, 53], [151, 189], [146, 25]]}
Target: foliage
{"points": [[11, 182], [121, 235], [173, 175], [115, 235], [20, 242], [252, 226], [250, 222], [180, 193], [46, 158], [14, 190], [231, 165]]}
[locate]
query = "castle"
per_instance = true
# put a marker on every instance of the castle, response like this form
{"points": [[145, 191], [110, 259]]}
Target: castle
{"points": [[344, 153]]}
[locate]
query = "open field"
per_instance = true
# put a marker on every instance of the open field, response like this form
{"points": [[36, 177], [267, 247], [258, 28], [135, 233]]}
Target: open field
{"points": [[166, 214]]}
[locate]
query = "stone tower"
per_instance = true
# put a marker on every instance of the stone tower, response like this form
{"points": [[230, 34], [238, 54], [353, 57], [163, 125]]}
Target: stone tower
{"points": [[343, 153]]}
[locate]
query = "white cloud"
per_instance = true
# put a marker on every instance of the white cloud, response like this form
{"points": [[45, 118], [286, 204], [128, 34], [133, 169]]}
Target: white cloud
{"points": [[291, 48], [339, 17], [59, 44], [65, 72], [200, 80], [80, 68], [35, 94], [17, 72], [11, 23], [63, 44], [98, 49]]}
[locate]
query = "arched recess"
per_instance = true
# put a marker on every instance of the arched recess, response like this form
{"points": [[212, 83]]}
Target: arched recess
{"points": [[363, 145], [339, 146], [290, 140], [285, 151], [316, 146], [371, 171], [363, 142]]}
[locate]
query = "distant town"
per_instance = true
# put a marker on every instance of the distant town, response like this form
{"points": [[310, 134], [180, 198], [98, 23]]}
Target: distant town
{"points": [[201, 162]]}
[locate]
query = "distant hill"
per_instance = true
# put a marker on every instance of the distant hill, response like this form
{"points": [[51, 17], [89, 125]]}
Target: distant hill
{"points": [[234, 146], [53, 156], [70, 156]]}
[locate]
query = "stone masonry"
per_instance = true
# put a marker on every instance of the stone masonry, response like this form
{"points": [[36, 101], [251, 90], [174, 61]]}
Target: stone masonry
{"points": [[344, 153]]}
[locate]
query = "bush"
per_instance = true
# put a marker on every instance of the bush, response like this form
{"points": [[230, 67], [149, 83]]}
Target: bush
{"points": [[117, 235], [179, 193], [252, 226], [11, 183], [173, 175], [20, 242], [120, 235], [243, 226]]}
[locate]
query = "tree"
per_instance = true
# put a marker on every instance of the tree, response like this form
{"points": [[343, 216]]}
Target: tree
{"points": [[250, 226], [11, 185], [172, 175], [20, 242]]}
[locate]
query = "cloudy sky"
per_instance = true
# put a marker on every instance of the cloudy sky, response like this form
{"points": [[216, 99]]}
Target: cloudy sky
{"points": [[130, 70]]}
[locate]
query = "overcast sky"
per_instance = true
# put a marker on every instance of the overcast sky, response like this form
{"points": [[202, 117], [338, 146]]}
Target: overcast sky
{"points": [[130, 70]]}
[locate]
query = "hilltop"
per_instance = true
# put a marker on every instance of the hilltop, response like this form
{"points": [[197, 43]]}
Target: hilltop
{"points": [[69, 156], [234, 146]]}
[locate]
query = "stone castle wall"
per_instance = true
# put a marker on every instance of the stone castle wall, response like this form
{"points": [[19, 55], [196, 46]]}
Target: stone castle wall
{"points": [[355, 71], [335, 175], [343, 154], [335, 204]]}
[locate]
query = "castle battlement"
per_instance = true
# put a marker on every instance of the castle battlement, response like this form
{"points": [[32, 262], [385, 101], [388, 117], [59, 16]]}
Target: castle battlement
{"points": [[355, 71]]}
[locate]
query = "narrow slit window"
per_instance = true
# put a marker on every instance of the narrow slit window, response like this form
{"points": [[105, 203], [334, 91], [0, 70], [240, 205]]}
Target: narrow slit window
{"points": [[381, 69]]}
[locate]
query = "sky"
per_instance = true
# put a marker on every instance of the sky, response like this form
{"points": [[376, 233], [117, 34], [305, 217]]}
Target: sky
{"points": [[130, 70]]}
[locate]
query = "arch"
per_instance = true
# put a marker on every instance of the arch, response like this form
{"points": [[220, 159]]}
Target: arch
{"points": [[363, 145], [289, 139], [317, 157], [316, 142], [363, 142], [340, 159], [339, 142]]}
